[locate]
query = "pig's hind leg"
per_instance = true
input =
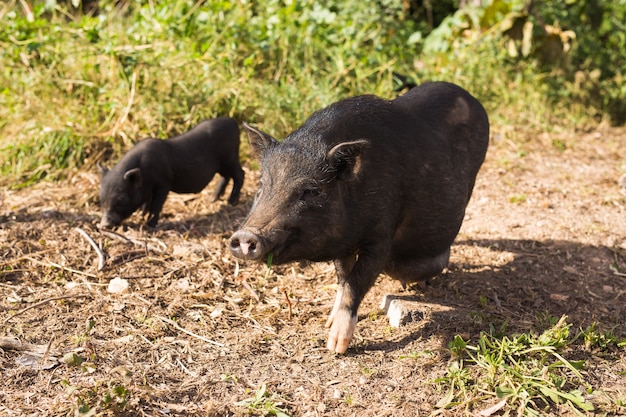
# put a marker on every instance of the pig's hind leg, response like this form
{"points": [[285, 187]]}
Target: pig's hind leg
{"points": [[221, 187], [238, 176]]}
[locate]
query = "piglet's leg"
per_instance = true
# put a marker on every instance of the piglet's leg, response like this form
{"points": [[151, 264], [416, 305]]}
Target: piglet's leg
{"points": [[156, 205], [238, 176], [355, 278], [221, 187]]}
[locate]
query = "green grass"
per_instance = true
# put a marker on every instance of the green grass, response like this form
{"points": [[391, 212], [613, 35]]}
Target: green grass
{"points": [[76, 89], [262, 403], [530, 372]]}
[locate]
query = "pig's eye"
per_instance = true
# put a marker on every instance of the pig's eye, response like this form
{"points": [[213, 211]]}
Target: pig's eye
{"points": [[310, 194], [122, 200]]}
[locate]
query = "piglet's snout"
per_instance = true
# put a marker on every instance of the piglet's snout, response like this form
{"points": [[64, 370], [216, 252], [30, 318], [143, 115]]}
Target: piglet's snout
{"points": [[246, 245], [109, 220]]}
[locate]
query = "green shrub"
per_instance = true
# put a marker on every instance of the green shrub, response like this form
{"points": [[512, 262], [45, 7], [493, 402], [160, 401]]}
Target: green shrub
{"points": [[78, 84]]}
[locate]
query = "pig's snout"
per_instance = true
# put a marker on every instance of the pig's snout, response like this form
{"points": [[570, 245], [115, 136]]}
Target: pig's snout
{"points": [[109, 221], [246, 245]]}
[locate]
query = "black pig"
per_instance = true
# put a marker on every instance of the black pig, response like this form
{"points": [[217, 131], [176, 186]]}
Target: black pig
{"points": [[375, 185], [183, 164]]}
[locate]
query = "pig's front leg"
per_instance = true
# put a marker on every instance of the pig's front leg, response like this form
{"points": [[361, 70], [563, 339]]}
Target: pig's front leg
{"points": [[340, 321], [355, 278], [156, 205]]}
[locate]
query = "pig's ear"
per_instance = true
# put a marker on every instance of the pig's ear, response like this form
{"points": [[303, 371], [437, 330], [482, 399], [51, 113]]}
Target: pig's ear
{"points": [[259, 141], [133, 176], [344, 159], [103, 169]]}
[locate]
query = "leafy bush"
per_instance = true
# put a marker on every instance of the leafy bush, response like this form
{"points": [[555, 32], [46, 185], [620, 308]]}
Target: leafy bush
{"points": [[157, 68], [572, 52], [79, 83]]}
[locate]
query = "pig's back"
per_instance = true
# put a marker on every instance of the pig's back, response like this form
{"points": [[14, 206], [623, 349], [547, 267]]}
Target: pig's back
{"points": [[209, 138], [199, 153], [450, 114], [418, 169], [448, 139]]}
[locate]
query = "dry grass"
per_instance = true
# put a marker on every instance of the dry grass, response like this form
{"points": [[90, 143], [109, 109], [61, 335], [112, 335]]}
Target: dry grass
{"points": [[196, 334]]}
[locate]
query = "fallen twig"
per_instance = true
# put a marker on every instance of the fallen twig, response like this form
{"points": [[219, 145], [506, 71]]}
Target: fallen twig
{"points": [[27, 11], [62, 297], [115, 235], [101, 256], [255, 323], [44, 358], [616, 271], [13, 271], [75, 271], [288, 303], [128, 256], [177, 326], [17, 260], [251, 290], [187, 371], [13, 343], [126, 239], [492, 410]]}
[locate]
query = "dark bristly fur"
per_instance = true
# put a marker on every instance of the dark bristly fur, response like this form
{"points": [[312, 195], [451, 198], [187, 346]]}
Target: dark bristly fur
{"points": [[183, 164], [374, 185]]}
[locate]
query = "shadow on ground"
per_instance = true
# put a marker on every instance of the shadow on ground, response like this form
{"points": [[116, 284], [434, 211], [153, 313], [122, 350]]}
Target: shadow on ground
{"points": [[538, 279]]}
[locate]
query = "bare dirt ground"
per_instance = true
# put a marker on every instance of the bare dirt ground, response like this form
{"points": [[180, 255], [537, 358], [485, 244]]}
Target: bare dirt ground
{"points": [[195, 334]]}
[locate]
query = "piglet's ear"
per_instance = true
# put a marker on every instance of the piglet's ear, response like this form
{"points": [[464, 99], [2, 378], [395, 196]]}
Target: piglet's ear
{"points": [[259, 141], [344, 159], [133, 176]]}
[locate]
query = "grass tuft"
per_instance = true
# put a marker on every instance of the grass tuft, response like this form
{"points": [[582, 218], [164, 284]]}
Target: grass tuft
{"points": [[529, 371]]}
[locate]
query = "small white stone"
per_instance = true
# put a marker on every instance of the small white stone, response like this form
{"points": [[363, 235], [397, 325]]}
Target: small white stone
{"points": [[117, 286]]}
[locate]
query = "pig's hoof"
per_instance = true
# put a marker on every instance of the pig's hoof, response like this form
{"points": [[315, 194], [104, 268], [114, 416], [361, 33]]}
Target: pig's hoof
{"points": [[337, 346], [341, 332]]}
